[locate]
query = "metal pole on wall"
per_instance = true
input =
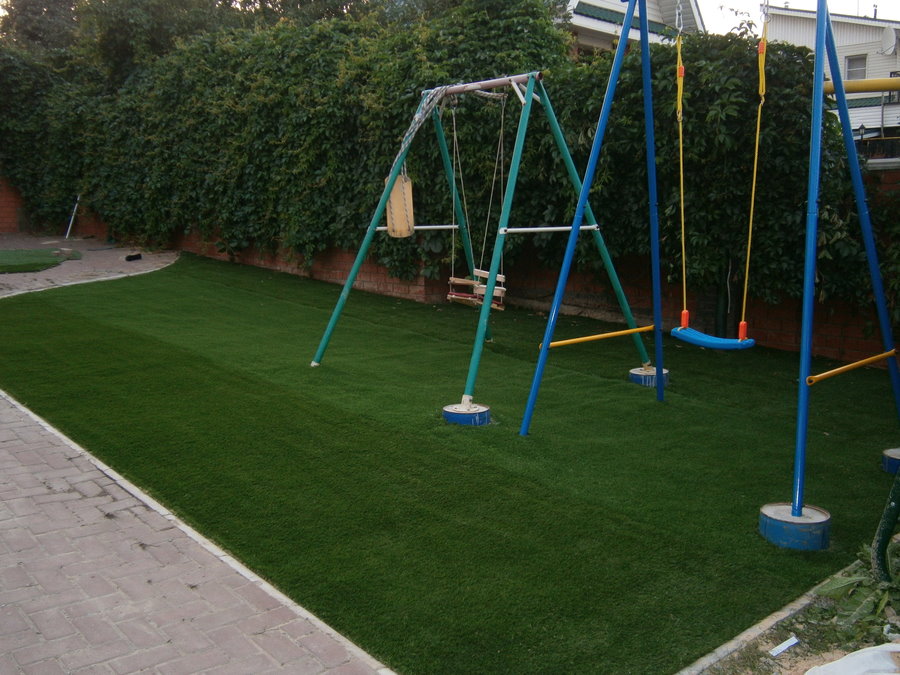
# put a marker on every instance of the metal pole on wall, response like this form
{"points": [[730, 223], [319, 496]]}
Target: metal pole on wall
{"points": [[72, 218]]}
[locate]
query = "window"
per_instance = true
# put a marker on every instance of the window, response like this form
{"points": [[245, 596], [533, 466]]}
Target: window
{"points": [[856, 67], [893, 96]]}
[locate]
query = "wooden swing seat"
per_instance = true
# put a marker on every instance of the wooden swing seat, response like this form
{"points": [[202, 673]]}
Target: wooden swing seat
{"points": [[472, 300], [474, 290]]}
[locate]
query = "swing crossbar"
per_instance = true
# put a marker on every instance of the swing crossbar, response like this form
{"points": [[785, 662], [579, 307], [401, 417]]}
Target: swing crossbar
{"points": [[552, 228], [495, 83], [424, 227], [812, 379], [695, 337], [602, 336]]}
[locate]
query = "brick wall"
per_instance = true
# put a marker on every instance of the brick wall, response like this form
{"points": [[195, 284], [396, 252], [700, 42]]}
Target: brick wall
{"points": [[841, 332], [332, 266], [86, 223], [10, 205]]}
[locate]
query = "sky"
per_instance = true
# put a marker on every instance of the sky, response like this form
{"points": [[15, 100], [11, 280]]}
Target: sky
{"points": [[719, 19]]}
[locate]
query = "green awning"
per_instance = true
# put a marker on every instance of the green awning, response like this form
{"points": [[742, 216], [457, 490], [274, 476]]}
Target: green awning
{"points": [[612, 16]]}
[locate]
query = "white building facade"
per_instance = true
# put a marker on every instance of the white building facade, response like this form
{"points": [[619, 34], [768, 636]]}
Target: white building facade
{"points": [[867, 49], [598, 24]]}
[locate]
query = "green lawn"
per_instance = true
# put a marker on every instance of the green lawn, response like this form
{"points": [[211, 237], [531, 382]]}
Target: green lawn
{"points": [[619, 537], [34, 260]]}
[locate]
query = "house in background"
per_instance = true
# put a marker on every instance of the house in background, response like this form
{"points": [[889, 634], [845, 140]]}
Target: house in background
{"points": [[597, 24], [867, 49]]}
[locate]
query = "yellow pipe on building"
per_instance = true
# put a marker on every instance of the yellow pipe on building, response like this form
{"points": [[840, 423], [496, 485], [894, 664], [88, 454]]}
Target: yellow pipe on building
{"points": [[874, 85]]}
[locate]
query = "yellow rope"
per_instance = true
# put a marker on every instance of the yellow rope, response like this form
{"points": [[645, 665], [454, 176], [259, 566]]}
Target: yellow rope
{"points": [[679, 73], [762, 99]]}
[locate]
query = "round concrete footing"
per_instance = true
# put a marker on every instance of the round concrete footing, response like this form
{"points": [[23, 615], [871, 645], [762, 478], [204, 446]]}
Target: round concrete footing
{"points": [[890, 460], [646, 376], [806, 532], [468, 414]]}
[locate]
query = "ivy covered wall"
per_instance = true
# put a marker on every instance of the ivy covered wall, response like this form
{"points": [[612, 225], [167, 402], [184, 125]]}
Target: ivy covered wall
{"points": [[280, 136]]}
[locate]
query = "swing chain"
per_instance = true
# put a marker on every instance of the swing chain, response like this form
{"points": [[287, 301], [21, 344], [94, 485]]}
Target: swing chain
{"points": [[679, 17]]}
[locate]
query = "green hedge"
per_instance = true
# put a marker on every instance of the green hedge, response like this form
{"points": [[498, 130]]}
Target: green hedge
{"points": [[283, 135]]}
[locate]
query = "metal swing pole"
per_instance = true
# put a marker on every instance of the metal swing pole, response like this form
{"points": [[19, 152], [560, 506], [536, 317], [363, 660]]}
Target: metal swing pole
{"points": [[865, 220], [650, 141], [809, 267], [591, 169], [484, 315], [795, 525], [575, 179]]}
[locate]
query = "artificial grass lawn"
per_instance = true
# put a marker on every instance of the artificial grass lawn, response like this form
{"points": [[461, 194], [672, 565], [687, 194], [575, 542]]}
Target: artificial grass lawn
{"points": [[620, 536], [33, 260]]}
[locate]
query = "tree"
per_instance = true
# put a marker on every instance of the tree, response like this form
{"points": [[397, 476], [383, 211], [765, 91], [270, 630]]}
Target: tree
{"points": [[119, 35], [38, 24]]}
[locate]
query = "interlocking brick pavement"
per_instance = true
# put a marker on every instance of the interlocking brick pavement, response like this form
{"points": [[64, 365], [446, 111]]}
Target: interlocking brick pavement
{"points": [[97, 577]]}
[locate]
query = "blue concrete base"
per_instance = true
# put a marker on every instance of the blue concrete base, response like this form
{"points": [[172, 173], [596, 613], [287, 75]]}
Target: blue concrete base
{"points": [[646, 376], [890, 460], [806, 532], [470, 415]]}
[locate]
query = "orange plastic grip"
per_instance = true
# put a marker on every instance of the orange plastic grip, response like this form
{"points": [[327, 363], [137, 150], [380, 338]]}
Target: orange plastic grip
{"points": [[685, 318], [742, 330], [680, 71]]}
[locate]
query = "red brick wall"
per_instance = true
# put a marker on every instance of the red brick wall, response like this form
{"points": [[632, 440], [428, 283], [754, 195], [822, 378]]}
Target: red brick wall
{"points": [[841, 332], [332, 266], [10, 204], [885, 181], [87, 224]]}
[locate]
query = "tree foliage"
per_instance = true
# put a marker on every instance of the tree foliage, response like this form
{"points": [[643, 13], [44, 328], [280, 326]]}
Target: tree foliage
{"points": [[280, 135], [38, 25]]}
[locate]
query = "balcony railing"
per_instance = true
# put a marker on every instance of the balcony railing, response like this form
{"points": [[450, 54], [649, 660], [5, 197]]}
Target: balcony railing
{"points": [[879, 148]]}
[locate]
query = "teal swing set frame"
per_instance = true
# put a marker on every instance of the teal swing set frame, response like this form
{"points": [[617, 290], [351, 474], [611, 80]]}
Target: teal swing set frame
{"points": [[528, 88]]}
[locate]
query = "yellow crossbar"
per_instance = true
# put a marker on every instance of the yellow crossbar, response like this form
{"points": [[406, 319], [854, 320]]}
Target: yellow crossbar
{"points": [[866, 86], [601, 336], [812, 379]]}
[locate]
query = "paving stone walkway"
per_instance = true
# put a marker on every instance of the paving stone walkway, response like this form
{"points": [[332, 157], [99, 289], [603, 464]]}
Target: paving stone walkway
{"points": [[96, 577]]}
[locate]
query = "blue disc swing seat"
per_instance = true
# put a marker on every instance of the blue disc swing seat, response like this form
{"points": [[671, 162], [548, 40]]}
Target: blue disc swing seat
{"points": [[695, 337], [684, 332]]}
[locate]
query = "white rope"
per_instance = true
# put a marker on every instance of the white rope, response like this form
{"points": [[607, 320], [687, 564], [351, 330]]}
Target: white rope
{"points": [[498, 168], [457, 171]]}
